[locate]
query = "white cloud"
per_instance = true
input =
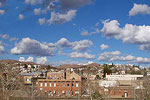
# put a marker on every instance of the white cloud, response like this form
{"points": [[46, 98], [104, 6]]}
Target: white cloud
{"points": [[63, 42], [30, 59], [41, 60], [139, 35], [57, 18], [29, 46], [37, 11], [13, 39], [139, 9], [103, 46], [85, 33], [68, 62], [77, 45], [21, 59], [81, 55], [4, 36], [21, 16], [2, 12], [42, 21], [81, 45], [33, 2], [116, 56]]}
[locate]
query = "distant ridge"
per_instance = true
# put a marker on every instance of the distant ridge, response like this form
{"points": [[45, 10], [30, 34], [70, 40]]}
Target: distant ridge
{"points": [[76, 66]]}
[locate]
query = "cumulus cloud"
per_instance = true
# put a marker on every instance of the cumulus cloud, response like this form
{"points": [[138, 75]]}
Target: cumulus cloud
{"points": [[21, 59], [77, 45], [85, 33], [58, 18], [33, 2], [4, 36], [20, 16], [42, 21], [139, 9], [63, 42], [30, 59], [81, 45], [62, 11], [41, 60], [103, 46], [13, 39], [37, 11], [2, 12], [81, 55], [130, 33], [29, 46], [116, 56]]}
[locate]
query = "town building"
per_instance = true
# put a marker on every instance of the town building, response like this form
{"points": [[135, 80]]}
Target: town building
{"points": [[66, 86], [123, 77]]}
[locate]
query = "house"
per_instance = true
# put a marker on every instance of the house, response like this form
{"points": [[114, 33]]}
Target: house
{"points": [[27, 77]]}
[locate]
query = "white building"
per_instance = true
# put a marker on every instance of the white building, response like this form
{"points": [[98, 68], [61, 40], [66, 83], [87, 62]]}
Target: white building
{"points": [[123, 77], [104, 83]]}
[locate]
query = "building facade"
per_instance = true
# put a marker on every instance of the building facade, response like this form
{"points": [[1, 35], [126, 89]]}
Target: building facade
{"points": [[59, 88]]}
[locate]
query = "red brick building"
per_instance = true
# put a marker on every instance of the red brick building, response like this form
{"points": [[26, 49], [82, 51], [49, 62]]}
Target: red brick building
{"points": [[69, 84], [59, 88], [120, 92]]}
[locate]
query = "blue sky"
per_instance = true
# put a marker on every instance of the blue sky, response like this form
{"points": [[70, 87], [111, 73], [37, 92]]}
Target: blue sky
{"points": [[73, 31]]}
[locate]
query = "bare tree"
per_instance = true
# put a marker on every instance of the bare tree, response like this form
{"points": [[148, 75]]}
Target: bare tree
{"points": [[10, 82], [92, 87], [143, 90]]}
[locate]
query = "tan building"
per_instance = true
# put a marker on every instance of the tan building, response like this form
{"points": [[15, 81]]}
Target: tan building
{"points": [[55, 75]]}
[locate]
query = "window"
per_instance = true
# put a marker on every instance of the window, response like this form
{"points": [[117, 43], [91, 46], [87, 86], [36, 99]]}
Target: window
{"points": [[41, 89], [72, 84], [125, 94], [77, 85], [63, 91], [67, 84], [54, 84], [68, 93], [45, 84], [41, 84], [54, 91], [50, 84], [28, 80], [63, 85]]}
